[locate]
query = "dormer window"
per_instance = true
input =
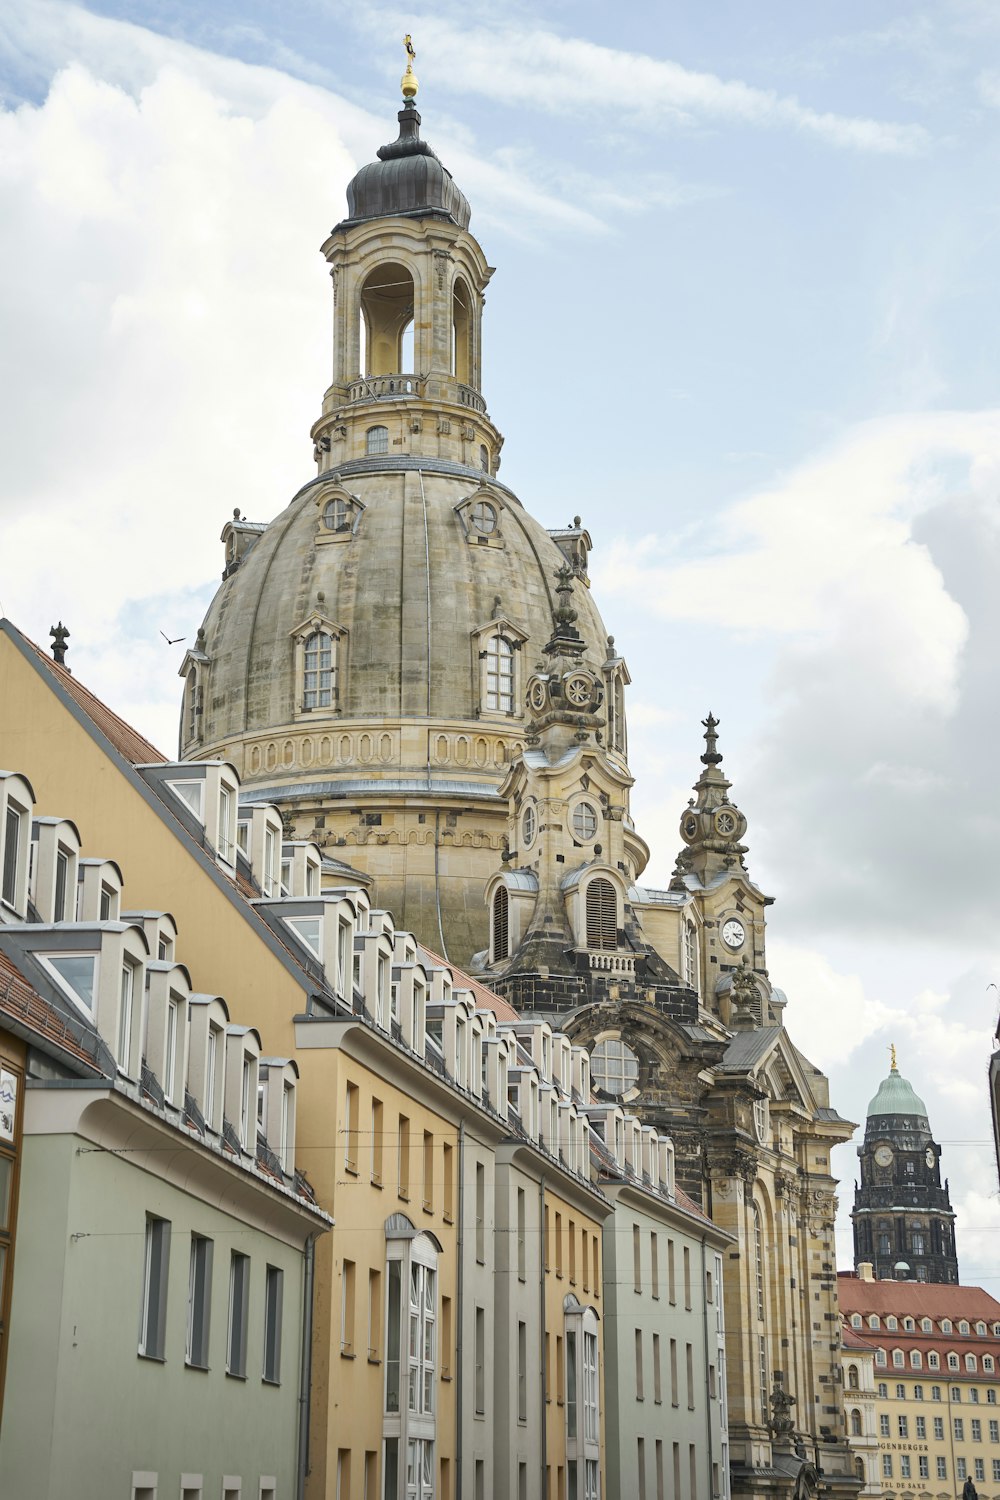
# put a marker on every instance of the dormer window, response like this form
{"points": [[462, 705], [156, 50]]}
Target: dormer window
{"points": [[483, 517], [377, 440], [601, 914], [319, 680], [337, 514], [76, 974], [227, 826], [15, 820], [126, 1016]]}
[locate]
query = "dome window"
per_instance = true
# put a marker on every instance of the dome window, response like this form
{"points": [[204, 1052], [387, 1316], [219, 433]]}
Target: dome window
{"points": [[319, 678], [484, 458], [483, 517], [319, 663], [602, 914], [337, 514], [584, 822], [377, 440], [528, 826], [499, 671]]}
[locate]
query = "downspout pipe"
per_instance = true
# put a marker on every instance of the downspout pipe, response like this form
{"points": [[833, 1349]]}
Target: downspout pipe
{"points": [[305, 1369], [459, 1321], [544, 1444], [708, 1362]]}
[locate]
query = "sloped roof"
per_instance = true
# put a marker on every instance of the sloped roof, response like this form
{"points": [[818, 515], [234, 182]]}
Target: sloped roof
{"points": [[485, 999], [126, 740], [21, 1004], [917, 1299]]}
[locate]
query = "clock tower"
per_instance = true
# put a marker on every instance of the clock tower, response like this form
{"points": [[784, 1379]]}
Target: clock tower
{"points": [[903, 1220]]}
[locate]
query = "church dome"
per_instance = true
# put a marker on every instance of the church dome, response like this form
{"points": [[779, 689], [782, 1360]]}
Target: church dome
{"points": [[896, 1096], [412, 591], [408, 179]]}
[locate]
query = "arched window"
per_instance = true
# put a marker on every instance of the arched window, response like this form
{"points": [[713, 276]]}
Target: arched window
{"points": [[499, 675], [855, 1423], [916, 1359], [319, 676], [191, 705], [602, 914], [859, 1469], [387, 321], [691, 954], [377, 440], [758, 1262], [484, 458], [461, 349], [853, 1384], [501, 923]]}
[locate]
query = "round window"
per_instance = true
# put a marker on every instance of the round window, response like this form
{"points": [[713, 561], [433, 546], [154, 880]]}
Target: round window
{"points": [[528, 826], [584, 822], [336, 515], [614, 1067], [483, 517]]}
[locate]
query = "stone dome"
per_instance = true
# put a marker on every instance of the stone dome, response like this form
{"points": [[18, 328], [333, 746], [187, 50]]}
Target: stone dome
{"points": [[408, 179], [411, 589], [896, 1096]]}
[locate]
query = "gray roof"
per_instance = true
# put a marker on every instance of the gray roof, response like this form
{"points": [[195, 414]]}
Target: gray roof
{"points": [[747, 1048], [408, 179]]}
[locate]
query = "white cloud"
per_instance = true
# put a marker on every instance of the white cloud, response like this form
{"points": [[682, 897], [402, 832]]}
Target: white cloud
{"points": [[829, 1014], [521, 63]]}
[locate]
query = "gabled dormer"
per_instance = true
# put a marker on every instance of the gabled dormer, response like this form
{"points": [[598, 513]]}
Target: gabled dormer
{"points": [[99, 890], [319, 647], [17, 801], [238, 536], [55, 856], [482, 514], [575, 544], [338, 513]]}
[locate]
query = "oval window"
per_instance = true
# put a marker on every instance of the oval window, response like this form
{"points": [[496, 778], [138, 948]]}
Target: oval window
{"points": [[584, 822], [528, 826]]}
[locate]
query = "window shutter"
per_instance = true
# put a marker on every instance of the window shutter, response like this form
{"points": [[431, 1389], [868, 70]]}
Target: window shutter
{"points": [[602, 914], [501, 923]]}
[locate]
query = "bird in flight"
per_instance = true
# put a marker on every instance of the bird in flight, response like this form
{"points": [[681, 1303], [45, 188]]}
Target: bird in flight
{"points": [[171, 640]]}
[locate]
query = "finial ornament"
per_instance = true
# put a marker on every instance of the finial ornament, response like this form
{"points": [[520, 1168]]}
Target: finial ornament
{"points": [[408, 82], [892, 1054], [711, 756], [60, 635]]}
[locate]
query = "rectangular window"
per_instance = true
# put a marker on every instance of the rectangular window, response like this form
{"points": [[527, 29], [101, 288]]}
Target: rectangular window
{"points": [[62, 875], [883, 1424], [923, 1466], [377, 1142], [153, 1327], [886, 1465], [639, 1394], [977, 1430], [660, 1478], [995, 1432], [351, 1117], [347, 1290], [979, 1469], [674, 1397], [657, 1387], [571, 1232], [199, 1301], [591, 1423], [522, 1372], [170, 1064], [654, 1263], [942, 1468], [996, 1471], [559, 1244], [125, 1016], [428, 1163], [560, 1372], [921, 1427], [403, 1158], [904, 1427], [239, 1307], [596, 1267], [448, 1169], [636, 1258], [640, 1459], [693, 1470], [11, 850], [371, 1460], [522, 1482], [273, 1294], [961, 1469], [374, 1313], [687, 1278], [481, 1213], [393, 1324], [481, 1360], [585, 1239], [571, 1385], [959, 1427], [939, 1429], [671, 1275], [689, 1361], [225, 806], [522, 1253], [446, 1340], [904, 1466]]}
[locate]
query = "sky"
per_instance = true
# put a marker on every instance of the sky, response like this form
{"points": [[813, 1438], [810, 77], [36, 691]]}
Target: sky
{"points": [[744, 323]]}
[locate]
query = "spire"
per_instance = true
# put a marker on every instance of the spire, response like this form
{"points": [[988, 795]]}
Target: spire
{"points": [[408, 83], [712, 826]]}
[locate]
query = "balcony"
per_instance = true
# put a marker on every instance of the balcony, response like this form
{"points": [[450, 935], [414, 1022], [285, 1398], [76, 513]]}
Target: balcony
{"points": [[384, 387], [610, 963]]}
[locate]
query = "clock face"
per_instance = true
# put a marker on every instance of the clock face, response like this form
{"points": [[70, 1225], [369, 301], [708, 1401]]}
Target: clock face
{"points": [[883, 1156], [725, 822], [929, 1157], [733, 933], [689, 826]]}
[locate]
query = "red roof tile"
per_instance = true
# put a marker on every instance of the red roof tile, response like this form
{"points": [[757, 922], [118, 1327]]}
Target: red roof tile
{"points": [[21, 1002], [485, 999], [918, 1299]]}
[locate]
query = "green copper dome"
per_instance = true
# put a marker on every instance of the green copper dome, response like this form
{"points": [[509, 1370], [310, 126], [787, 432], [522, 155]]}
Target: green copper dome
{"points": [[896, 1097]]}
